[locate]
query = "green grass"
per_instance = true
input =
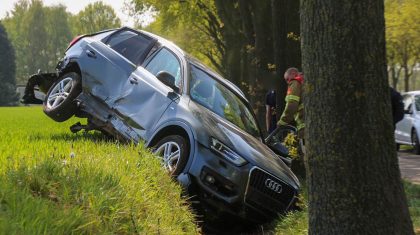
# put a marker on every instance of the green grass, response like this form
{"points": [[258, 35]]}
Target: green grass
{"points": [[56, 182], [413, 196]]}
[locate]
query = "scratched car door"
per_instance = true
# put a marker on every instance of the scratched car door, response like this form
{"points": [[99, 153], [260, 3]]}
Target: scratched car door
{"points": [[145, 98], [106, 65]]}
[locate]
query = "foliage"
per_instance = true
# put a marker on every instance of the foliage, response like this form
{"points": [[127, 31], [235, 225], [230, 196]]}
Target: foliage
{"points": [[238, 38], [402, 36], [95, 17], [182, 23], [40, 34], [7, 70], [55, 182], [58, 32], [292, 145], [34, 31]]}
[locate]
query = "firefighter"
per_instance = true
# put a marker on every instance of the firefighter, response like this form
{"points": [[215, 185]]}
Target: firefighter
{"points": [[294, 104]]}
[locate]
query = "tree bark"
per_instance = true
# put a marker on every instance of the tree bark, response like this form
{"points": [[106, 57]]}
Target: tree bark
{"points": [[354, 182]]}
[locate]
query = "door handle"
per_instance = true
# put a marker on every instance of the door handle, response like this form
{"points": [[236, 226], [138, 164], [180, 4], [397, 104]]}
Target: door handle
{"points": [[91, 54], [134, 81]]}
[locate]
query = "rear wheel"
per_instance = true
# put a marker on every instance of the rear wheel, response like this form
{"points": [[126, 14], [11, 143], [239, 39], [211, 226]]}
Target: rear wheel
{"points": [[59, 102], [173, 151], [415, 141]]}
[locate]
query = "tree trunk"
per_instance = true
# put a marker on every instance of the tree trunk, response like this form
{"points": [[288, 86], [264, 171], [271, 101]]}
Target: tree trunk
{"points": [[232, 38], [354, 182], [278, 12], [293, 51]]}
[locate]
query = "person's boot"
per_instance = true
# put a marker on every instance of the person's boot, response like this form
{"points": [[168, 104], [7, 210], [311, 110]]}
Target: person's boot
{"points": [[30, 99]]}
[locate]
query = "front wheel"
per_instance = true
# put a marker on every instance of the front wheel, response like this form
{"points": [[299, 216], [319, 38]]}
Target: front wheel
{"points": [[59, 102], [173, 151], [415, 141]]}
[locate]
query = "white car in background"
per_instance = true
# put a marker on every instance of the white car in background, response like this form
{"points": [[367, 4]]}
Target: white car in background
{"points": [[407, 130]]}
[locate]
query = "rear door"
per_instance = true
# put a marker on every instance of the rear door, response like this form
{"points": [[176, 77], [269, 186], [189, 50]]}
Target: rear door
{"points": [[145, 98], [106, 65]]}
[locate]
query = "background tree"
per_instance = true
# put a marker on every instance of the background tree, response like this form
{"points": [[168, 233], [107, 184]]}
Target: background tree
{"points": [[8, 95], [95, 17], [14, 25], [354, 183], [240, 39], [40, 34], [35, 33], [58, 31], [402, 35]]}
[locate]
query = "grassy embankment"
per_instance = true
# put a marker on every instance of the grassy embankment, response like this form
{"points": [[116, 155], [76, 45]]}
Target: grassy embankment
{"points": [[56, 182]]}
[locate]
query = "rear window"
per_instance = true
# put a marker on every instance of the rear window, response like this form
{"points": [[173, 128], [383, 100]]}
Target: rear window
{"points": [[129, 44]]}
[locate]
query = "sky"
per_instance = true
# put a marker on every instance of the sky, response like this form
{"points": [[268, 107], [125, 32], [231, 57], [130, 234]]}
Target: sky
{"points": [[74, 6]]}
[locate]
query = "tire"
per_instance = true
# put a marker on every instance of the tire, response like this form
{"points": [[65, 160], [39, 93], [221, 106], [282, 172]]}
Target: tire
{"points": [[174, 165], [59, 102], [415, 141]]}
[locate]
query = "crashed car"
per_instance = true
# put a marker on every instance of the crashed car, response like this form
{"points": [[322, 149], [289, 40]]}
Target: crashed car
{"points": [[137, 86]]}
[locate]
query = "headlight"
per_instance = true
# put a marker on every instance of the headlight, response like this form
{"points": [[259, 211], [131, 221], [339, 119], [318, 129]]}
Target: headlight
{"points": [[226, 152]]}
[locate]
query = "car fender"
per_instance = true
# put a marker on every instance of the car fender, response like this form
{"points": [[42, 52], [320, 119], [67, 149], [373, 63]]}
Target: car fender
{"points": [[191, 135], [72, 56]]}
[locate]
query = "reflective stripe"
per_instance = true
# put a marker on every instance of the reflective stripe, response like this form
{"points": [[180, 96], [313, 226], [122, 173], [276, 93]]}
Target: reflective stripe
{"points": [[300, 126], [292, 97], [300, 107], [281, 122]]}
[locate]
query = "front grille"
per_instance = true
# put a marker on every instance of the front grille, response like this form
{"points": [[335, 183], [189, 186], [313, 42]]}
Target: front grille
{"points": [[261, 197]]}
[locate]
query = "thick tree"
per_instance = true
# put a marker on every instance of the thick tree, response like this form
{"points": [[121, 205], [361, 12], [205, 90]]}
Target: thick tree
{"points": [[353, 176], [8, 95]]}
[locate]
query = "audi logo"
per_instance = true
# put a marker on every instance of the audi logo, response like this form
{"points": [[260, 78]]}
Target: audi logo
{"points": [[273, 185]]}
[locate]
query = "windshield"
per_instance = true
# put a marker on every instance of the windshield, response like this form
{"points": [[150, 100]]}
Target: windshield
{"points": [[210, 93]]}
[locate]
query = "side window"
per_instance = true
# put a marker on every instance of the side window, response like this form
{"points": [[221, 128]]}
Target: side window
{"points": [[417, 102], [130, 45], [164, 60], [407, 102]]}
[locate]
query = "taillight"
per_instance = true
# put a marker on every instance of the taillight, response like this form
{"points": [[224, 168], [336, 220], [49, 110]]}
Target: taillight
{"points": [[74, 41]]}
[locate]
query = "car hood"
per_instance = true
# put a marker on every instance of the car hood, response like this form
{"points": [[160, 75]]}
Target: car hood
{"points": [[249, 147]]}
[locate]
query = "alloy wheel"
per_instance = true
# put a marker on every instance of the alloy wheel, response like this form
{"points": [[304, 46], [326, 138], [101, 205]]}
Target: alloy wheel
{"points": [[170, 153], [59, 93]]}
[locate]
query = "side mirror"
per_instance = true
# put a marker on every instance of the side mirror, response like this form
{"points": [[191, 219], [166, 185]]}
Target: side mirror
{"points": [[167, 79]]}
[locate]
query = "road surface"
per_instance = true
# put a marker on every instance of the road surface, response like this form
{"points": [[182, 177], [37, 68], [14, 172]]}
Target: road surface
{"points": [[409, 166]]}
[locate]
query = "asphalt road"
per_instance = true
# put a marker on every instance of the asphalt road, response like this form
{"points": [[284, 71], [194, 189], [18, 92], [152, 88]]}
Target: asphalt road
{"points": [[409, 165]]}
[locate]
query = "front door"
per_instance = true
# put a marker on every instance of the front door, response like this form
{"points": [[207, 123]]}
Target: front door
{"points": [[144, 98]]}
